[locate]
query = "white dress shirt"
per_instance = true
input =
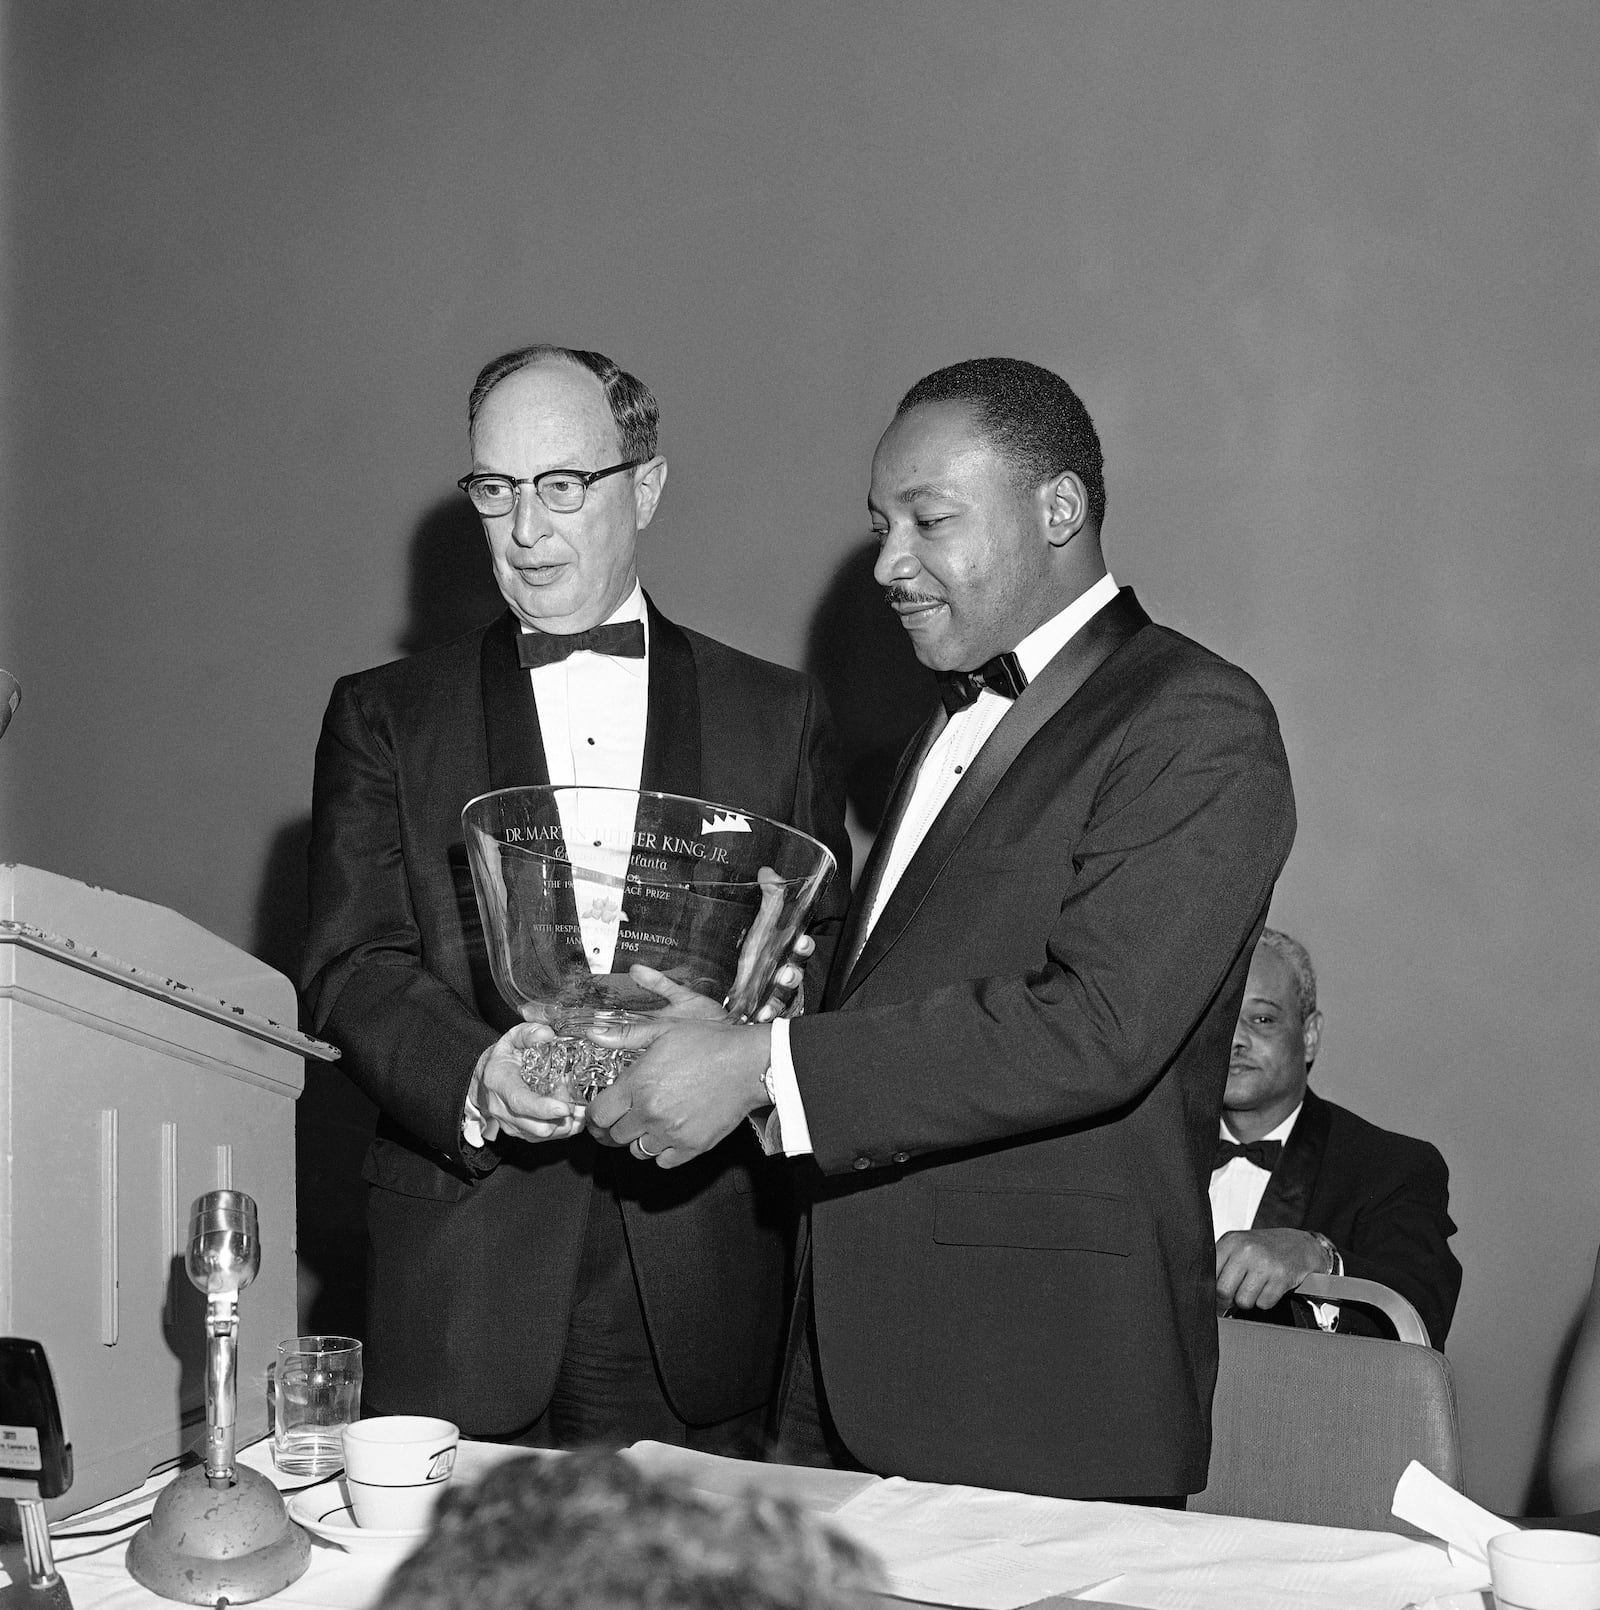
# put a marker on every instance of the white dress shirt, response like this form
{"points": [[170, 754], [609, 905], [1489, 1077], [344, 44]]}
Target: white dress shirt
{"points": [[592, 713], [943, 767], [1238, 1186]]}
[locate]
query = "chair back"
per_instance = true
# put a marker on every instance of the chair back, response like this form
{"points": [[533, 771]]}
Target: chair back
{"points": [[1317, 1428], [1396, 1309]]}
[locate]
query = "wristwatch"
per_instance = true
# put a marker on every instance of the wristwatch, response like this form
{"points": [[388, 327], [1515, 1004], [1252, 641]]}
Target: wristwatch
{"points": [[1335, 1262]]}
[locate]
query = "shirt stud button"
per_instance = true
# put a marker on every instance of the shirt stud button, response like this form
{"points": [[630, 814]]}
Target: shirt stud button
{"points": [[863, 1162]]}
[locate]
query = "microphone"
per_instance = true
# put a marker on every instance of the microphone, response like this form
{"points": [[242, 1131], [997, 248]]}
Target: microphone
{"points": [[220, 1535], [223, 1257], [224, 1253], [10, 698]]}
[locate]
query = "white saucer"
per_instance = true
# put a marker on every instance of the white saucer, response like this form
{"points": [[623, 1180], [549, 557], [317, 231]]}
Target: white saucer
{"points": [[325, 1513]]}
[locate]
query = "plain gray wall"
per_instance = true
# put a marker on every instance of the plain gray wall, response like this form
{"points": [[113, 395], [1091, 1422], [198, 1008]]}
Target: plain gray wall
{"points": [[1325, 274]]}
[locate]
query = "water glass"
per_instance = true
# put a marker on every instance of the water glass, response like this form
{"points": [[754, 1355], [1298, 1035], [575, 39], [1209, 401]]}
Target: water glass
{"points": [[318, 1394]]}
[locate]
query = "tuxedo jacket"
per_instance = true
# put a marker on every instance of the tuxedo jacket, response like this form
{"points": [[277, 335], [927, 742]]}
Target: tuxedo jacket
{"points": [[473, 1253], [1014, 1101], [1382, 1199]]}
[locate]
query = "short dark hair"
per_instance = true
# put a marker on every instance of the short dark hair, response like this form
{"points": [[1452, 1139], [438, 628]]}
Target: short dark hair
{"points": [[1031, 415], [590, 1532], [632, 405]]}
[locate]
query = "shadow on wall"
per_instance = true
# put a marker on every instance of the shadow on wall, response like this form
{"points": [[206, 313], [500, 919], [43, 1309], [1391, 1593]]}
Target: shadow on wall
{"points": [[452, 591], [1538, 1499], [332, 1121], [877, 689], [452, 585]]}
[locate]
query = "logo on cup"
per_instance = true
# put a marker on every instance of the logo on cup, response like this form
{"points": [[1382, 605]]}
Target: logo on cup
{"points": [[443, 1463]]}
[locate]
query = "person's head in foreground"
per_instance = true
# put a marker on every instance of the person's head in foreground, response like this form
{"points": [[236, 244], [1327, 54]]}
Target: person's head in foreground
{"points": [[589, 1532]]}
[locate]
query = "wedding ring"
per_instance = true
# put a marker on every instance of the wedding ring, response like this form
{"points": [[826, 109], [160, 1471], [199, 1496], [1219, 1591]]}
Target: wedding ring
{"points": [[644, 1151]]}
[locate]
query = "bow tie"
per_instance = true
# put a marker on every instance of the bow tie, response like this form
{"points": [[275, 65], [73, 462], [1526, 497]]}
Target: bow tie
{"points": [[1003, 675], [625, 641], [1263, 1153]]}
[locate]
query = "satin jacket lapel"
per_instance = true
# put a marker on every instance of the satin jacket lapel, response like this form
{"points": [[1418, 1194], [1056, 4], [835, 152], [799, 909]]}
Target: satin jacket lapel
{"points": [[1043, 698], [515, 750], [905, 777], [1288, 1193], [510, 713], [672, 726]]}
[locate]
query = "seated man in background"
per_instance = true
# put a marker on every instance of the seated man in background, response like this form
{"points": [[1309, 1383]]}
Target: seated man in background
{"points": [[589, 1532], [1302, 1186]]}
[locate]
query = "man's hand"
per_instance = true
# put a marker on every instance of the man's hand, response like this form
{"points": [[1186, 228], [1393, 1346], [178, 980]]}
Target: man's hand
{"points": [[788, 997], [695, 1082], [1259, 1268], [504, 1100]]}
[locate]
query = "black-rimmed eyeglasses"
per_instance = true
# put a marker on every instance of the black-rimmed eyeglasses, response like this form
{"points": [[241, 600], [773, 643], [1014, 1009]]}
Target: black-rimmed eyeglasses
{"points": [[560, 491]]}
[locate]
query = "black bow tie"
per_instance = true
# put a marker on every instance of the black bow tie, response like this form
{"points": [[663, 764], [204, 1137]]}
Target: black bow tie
{"points": [[1263, 1153], [625, 641], [1003, 675]]}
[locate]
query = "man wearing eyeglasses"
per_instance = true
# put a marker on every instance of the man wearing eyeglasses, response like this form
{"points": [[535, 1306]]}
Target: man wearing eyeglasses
{"points": [[525, 1281]]}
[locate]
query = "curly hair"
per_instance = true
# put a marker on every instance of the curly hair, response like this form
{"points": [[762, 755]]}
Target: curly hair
{"points": [[589, 1532]]}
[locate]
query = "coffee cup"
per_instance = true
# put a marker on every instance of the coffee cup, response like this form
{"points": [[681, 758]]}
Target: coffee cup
{"points": [[1545, 1570], [395, 1467]]}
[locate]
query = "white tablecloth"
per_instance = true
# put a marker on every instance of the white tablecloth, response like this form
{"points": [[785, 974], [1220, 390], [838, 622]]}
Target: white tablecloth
{"points": [[1159, 1559]]}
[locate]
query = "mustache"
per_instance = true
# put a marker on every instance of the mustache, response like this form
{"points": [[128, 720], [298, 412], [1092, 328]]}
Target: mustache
{"points": [[908, 595]]}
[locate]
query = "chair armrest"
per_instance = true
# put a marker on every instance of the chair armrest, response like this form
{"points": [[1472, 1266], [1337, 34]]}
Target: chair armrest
{"points": [[1406, 1320]]}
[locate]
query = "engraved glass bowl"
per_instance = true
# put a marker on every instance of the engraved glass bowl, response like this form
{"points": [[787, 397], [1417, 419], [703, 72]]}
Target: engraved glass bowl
{"points": [[575, 885]]}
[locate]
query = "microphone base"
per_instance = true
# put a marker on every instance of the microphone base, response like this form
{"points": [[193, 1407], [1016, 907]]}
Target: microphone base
{"points": [[203, 1545]]}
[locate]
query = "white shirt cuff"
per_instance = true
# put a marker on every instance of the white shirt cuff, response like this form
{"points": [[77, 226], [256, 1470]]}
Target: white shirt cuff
{"points": [[471, 1116], [794, 1133], [471, 1124]]}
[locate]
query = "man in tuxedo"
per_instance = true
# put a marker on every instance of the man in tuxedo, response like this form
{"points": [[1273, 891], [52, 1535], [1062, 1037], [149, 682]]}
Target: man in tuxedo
{"points": [[1011, 1095], [524, 1280], [1303, 1186]]}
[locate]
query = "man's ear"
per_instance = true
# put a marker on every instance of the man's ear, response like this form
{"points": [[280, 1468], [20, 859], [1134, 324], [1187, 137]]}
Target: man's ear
{"points": [[1312, 1032], [1066, 508], [648, 482]]}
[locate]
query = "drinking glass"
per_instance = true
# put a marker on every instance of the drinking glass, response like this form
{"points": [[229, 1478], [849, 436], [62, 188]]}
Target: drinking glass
{"points": [[318, 1394]]}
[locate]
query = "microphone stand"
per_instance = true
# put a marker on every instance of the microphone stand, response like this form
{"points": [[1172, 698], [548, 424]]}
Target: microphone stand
{"points": [[219, 1533], [222, 1357]]}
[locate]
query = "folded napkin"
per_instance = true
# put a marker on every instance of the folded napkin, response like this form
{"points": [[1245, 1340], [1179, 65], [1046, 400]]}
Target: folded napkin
{"points": [[1439, 1510]]}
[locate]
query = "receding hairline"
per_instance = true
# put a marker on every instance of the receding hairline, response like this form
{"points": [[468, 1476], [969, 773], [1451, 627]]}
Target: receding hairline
{"points": [[633, 407], [555, 358]]}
